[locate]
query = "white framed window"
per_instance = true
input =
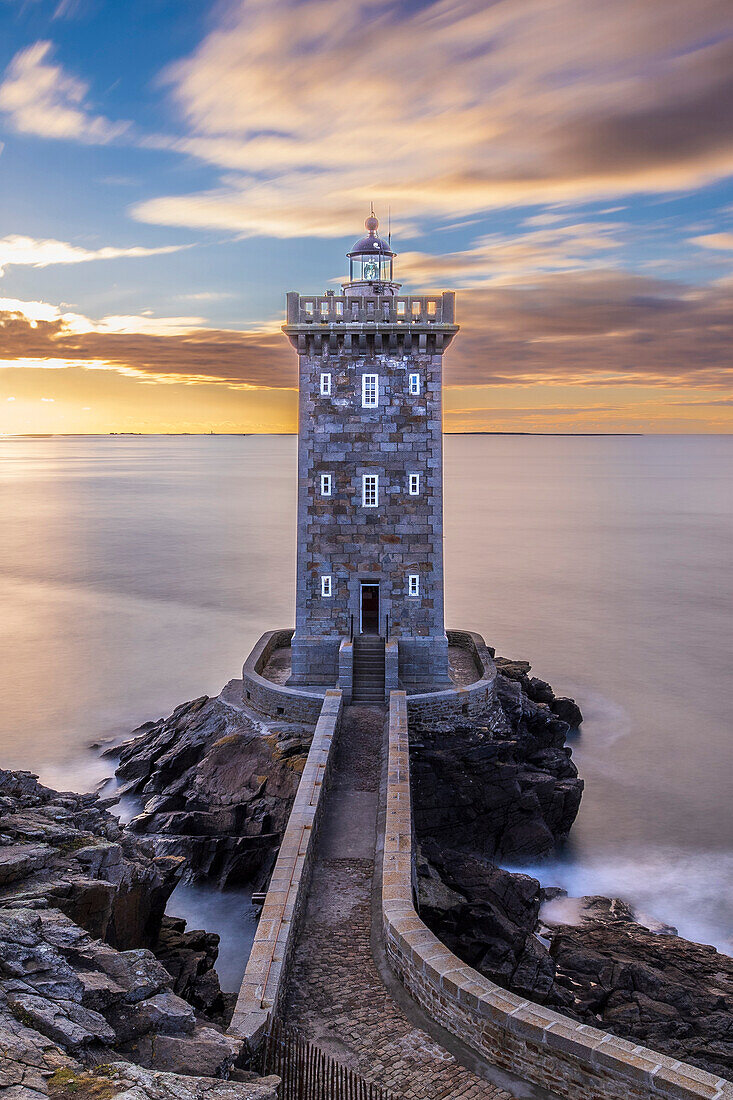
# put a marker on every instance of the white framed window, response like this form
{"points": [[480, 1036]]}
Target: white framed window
{"points": [[326, 585], [413, 481], [370, 490], [413, 584], [414, 384], [325, 385], [308, 306], [326, 485], [369, 391]]}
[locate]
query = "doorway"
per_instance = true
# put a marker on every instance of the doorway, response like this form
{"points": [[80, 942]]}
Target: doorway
{"points": [[369, 609]]}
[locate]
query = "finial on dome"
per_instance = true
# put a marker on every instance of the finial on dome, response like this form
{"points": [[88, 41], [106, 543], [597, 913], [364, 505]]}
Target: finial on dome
{"points": [[372, 223]]}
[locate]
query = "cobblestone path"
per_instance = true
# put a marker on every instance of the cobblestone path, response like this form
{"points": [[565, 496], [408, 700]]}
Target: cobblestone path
{"points": [[336, 997]]}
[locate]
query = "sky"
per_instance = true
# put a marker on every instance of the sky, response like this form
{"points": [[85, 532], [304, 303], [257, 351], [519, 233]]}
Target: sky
{"points": [[169, 169]]}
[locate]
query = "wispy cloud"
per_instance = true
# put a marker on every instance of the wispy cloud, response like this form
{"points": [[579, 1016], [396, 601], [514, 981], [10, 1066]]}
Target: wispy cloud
{"points": [[39, 98], [33, 252], [446, 109], [508, 258], [723, 242]]}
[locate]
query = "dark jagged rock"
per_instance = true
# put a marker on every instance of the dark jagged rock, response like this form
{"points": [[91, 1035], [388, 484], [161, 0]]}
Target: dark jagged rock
{"points": [[189, 958], [502, 783], [217, 786], [487, 916], [665, 992]]}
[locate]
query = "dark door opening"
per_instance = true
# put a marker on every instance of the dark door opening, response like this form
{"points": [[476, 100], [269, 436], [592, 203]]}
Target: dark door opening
{"points": [[370, 609]]}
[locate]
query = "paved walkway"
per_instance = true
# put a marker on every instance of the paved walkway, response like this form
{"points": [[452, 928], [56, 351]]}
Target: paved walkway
{"points": [[336, 997]]}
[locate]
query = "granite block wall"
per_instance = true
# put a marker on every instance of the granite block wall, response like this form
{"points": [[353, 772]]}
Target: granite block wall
{"points": [[572, 1060], [341, 538]]}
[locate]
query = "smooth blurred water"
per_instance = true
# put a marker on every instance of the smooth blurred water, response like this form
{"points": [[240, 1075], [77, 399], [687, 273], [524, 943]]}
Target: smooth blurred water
{"points": [[136, 572]]}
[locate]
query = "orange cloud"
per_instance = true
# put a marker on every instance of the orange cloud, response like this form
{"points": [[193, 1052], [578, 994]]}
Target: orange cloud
{"points": [[580, 327], [594, 328], [258, 358]]}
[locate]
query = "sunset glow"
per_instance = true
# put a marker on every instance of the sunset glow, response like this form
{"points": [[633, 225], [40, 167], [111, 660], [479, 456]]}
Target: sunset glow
{"points": [[169, 171]]}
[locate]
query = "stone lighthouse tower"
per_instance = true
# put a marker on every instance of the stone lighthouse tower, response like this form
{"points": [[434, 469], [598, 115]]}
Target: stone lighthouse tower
{"points": [[370, 475]]}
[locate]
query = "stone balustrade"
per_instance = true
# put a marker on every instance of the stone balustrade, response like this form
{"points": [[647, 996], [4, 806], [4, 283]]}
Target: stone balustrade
{"points": [[264, 979], [348, 309], [574, 1060]]}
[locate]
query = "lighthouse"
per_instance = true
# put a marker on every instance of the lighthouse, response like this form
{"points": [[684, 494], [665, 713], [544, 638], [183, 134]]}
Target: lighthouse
{"points": [[370, 477]]}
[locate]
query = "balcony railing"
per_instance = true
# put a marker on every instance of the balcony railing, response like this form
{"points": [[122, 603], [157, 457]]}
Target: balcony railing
{"points": [[330, 309]]}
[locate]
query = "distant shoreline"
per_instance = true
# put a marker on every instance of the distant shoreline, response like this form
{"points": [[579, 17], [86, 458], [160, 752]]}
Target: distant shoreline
{"points": [[247, 435]]}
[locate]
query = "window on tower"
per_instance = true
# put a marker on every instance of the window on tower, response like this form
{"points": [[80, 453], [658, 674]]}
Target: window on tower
{"points": [[413, 584], [326, 485], [414, 485], [326, 586], [369, 391], [414, 384], [370, 490], [325, 385]]}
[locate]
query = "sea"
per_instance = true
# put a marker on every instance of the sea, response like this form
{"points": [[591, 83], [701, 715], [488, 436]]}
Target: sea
{"points": [[137, 572]]}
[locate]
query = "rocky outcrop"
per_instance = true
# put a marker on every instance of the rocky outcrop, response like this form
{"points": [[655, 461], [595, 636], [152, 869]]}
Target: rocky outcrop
{"points": [[90, 968], [657, 989], [501, 784], [33, 1067], [67, 851], [487, 917], [217, 785]]}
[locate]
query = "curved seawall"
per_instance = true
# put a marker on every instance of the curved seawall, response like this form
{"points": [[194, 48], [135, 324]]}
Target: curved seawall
{"points": [[575, 1060]]}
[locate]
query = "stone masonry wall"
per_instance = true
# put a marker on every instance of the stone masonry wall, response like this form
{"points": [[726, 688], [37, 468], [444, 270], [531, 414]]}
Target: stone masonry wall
{"points": [[575, 1060], [469, 700], [264, 979], [276, 700], [340, 537]]}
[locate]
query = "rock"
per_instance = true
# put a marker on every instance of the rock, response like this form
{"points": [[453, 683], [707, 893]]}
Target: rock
{"points": [[164, 1012], [503, 783], [144, 1084], [567, 710], [20, 860], [487, 916], [65, 1022], [665, 992], [27, 1059], [65, 851], [206, 1053], [217, 785], [81, 906], [137, 972]]}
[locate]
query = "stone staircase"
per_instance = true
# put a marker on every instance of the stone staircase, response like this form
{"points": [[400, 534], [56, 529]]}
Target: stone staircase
{"points": [[368, 684]]}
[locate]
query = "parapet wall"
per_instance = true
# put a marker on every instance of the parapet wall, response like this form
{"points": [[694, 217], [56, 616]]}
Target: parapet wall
{"points": [[471, 699], [277, 700], [264, 979], [575, 1060]]}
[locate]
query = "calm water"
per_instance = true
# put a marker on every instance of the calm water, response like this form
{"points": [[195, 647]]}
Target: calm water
{"points": [[138, 572]]}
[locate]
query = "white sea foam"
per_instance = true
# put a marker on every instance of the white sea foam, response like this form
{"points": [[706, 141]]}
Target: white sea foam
{"points": [[691, 891]]}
